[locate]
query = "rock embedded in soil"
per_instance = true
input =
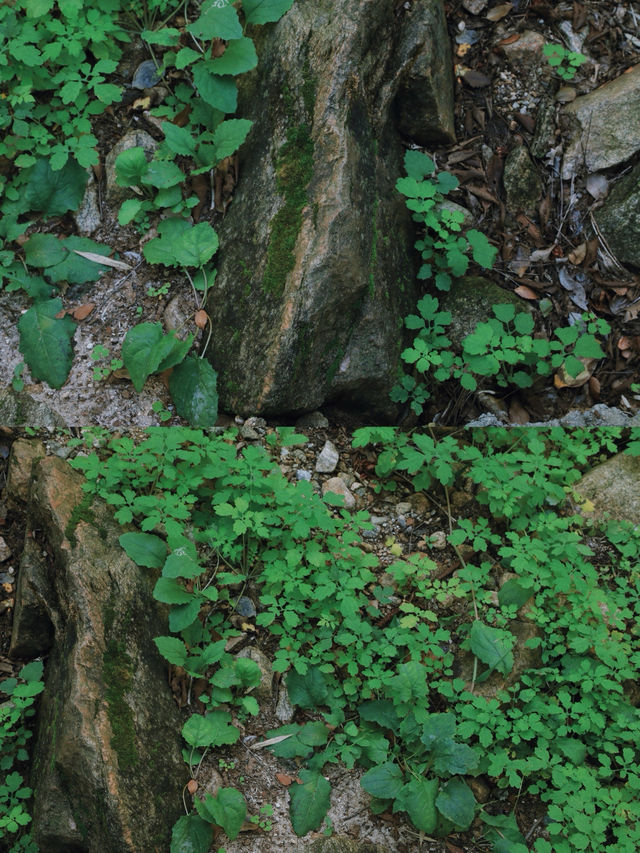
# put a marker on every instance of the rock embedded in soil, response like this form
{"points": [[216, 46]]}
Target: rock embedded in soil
{"points": [[87, 217], [317, 267], [32, 630], [327, 458], [522, 183], [107, 764], [613, 489], [603, 127], [337, 486], [17, 408], [619, 219]]}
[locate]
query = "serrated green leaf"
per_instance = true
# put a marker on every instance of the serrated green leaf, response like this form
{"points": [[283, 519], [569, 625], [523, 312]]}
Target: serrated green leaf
{"points": [[179, 139], [75, 269], [309, 690], [310, 802], [45, 342], [229, 136], [456, 803], [384, 781], [239, 56], [172, 649], [162, 174], [505, 313], [191, 834], [131, 165], [453, 758], [185, 57], [169, 591], [54, 192], [165, 36], [44, 250], [314, 733], [492, 646], [214, 729], [193, 388], [195, 246], [380, 711], [183, 615], [216, 21], [144, 549], [418, 799], [226, 809], [219, 92], [513, 593], [146, 349]]}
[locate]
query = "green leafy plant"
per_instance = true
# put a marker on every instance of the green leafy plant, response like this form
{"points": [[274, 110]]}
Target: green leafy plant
{"points": [[16, 709], [565, 62]]}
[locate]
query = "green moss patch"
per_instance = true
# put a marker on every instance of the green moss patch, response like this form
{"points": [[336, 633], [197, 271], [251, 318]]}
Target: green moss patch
{"points": [[117, 674]]}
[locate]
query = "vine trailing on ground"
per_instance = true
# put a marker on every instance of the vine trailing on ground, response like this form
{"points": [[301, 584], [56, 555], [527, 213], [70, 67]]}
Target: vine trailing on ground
{"points": [[373, 656], [505, 346], [56, 60]]}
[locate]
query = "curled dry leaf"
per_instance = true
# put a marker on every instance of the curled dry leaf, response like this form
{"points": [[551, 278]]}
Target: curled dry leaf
{"points": [[475, 79], [499, 12], [526, 292], [201, 318], [284, 779], [578, 255], [103, 260], [83, 311], [192, 786]]}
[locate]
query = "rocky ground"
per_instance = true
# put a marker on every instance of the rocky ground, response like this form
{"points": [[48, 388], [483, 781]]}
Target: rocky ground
{"points": [[547, 168]]}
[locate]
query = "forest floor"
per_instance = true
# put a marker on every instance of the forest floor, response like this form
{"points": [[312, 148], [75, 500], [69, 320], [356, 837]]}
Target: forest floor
{"points": [[503, 82]]}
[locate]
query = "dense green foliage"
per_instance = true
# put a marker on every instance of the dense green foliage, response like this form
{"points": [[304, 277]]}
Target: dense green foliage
{"points": [[372, 654]]}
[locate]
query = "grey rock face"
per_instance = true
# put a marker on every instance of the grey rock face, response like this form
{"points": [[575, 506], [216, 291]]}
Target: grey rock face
{"points": [[613, 488], [327, 459], [317, 269], [522, 183], [603, 126], [107, 766], [619, 219]]}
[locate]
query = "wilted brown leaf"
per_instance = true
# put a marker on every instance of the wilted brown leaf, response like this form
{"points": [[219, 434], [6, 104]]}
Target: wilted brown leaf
{"points": [[526, 292], [499, 12], [201, 318], [83, 311]]}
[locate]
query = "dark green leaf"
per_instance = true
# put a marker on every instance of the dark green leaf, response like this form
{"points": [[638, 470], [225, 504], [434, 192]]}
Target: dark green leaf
{"points": [[191, 834], [180, 565], [384, 781], [144, 549], [437, 727], [44, 250], [456, 803], [162, 174], [265, 11], [309, 802], [418, 165], [183, 615], [214, 729], [454, 758], [160, 250], [169, 591], [172, 649], [74, 268], [229, 136], [165, 36], [418, 799], [179, 139], [216, 22], [219, 92], [131, 165], [54, 192], [314, 733], [513, 593], [493, 646], [309, 690], [193, 387], [240, 56], [45, 342], [380, 711], [195, 247], [146, 349], [506, 837]]}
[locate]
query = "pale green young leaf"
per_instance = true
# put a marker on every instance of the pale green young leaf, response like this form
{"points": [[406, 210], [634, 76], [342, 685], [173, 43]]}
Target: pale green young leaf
{"points": [[229, 136], [172, 649]]}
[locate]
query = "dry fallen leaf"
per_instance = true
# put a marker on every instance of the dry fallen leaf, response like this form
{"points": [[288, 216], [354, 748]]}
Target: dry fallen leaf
{"points": [[578, 255], [526, 292], [284, 779], [201, 318], [192, 786], [83, 311], [499, 12], [474, 78], [514, 37], [102, 259]]}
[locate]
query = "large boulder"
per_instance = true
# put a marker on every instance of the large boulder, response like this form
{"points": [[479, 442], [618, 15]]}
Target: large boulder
{"points": [[619, 219], [612, 488], [107, 766], [317, 268]]}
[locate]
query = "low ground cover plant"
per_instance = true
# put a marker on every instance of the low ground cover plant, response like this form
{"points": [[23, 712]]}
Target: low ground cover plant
{"points": [[373, 656]]}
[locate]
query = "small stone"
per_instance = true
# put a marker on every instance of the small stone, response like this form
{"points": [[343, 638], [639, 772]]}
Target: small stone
{"points": [[403, 508], [337, 486], [528, 46], [438, 540], [177, 316], [371, 534], [146, 75], [522, 183], [249, 433], [245, 607], [88, 217], [5, 551], [475, 6], [256, 423], [312, 420], [303, 474], [284, 709], [327, 459]]}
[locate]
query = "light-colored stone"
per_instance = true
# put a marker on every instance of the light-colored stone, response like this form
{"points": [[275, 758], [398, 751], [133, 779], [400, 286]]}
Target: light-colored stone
{"points": [[522, 183], [613, 488], [24, 453], [528, 46], [327, 458], [17, 408], [87, 217], [438, 540], [284, 709], [603, 128], [337, 486]]}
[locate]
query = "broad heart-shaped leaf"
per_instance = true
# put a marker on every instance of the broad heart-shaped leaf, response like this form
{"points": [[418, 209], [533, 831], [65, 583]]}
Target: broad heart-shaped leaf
{"points": [[506, 837], [384, 781], [169, 591], [180, 565], [45, 342], [418, 165], [227, 809], [74, 268], [146, 349], [195, 247], [54, 192], [240, 56], [131, 165], [493, 646], [179, 140], [513, 593], [191, 834], [418, 799], [380, 711], [265, 11], [229, 136], [454, 758], [129, 209], [456, 802], [160, 250], [291, 747], [214, 729], [44, 250], [145, 549], [162, 174], [172, 649], [183, 615], [193, 388], [216, 21], [220, 92], [308, 690], [309, 802], [437, 727]]}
